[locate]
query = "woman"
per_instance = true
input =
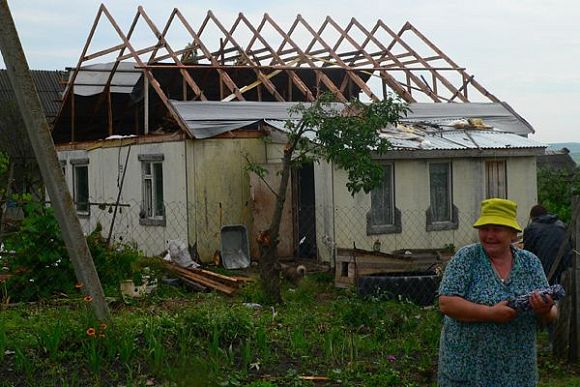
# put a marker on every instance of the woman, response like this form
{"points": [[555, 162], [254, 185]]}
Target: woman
{"points": [[484, 342]]}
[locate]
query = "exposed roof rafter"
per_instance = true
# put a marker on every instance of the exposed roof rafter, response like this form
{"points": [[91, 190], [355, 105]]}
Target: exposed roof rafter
{"points": [[266, 62]]}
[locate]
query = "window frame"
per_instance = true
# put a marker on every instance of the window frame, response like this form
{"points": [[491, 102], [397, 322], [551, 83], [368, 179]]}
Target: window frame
{"points": [[150, 214], [77, 164], [452, 222], [394, 226]]}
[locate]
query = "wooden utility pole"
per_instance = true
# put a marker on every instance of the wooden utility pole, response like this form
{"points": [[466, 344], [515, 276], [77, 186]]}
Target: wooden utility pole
{"points": [[43, 146]]}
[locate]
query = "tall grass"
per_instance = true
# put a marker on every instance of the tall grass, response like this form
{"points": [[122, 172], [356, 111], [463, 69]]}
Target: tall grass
{"points": [[189, 339]]}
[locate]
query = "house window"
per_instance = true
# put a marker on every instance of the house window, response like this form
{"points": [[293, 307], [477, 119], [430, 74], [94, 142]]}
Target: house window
{"points": [[441, 214], [496, 179], [440, 191], [152, 206], [384, 217], [81, 185], [63, 167]]}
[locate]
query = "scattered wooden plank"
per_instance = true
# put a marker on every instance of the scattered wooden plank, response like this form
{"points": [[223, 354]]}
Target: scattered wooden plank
{"points": [[200, 279], [315, 378], [244, 279], [218, 277]]}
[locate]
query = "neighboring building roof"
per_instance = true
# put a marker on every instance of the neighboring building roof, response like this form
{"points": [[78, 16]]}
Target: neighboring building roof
{"points": [[557, 159], [49, 85]]}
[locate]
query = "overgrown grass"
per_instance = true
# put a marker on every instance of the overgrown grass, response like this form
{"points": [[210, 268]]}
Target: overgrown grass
{"points": [[180, 338]]}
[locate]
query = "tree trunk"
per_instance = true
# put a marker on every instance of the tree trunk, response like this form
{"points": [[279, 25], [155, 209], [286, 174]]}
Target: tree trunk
{"points": [[268, 241]]}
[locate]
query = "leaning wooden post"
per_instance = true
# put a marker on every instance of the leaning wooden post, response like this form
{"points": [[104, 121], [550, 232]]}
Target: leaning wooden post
{"points": [[575, 339], [43, 146]]}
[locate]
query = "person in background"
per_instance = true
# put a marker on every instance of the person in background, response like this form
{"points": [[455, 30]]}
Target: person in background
{"points": [[543, 237], [484, 342]]}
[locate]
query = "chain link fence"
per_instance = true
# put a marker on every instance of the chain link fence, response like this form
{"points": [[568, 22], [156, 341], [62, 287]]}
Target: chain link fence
{"points": [[405, 263]]}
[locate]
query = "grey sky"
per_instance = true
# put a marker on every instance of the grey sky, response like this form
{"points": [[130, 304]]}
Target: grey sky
{"points": [[525, 52]]}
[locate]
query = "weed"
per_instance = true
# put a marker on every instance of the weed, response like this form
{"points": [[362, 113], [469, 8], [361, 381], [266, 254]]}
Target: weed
{"points": [[50, 337]]}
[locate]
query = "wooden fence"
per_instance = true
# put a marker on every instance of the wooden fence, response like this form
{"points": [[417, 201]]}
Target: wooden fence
{"points": [[566, 343]]}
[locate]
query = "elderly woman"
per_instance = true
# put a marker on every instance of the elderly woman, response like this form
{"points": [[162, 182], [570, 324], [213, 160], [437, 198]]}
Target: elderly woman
{"points": [[484, 342]]}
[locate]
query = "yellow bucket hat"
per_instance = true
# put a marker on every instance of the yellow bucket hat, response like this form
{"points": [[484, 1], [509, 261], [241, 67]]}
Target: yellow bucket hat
{"points": [[501, 212]]}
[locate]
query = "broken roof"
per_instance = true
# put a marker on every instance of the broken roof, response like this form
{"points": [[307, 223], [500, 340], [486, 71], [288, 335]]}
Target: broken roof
{"points": [[212, 118], [245, 61]]}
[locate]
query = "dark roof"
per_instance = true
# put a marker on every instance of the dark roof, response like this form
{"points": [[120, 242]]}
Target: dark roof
{"points": [[49, 85], [557, 159]]}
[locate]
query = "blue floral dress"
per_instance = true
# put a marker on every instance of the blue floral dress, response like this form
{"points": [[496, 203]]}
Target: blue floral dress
{"points": [[484, 353]]}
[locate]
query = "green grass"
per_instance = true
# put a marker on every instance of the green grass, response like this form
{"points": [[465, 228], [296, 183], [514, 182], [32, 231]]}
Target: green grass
{"points": [[176, 337]]}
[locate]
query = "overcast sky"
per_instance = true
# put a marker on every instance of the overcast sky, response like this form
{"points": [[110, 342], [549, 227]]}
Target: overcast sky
{"points": [[525, 52]]}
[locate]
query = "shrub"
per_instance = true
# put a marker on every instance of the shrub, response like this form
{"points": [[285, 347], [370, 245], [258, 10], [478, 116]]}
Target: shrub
{"points": [[41, 265], [555, 190]]}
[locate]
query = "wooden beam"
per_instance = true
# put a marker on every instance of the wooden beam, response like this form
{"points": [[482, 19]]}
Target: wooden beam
{"points": [[480, 88], [200, 279], [260, 75], [148, 74], [192, 84], [304, 58], [226, 78], [316, 37]]}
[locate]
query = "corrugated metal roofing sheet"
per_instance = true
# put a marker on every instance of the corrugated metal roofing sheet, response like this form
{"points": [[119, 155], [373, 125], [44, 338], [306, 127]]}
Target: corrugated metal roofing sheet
{"points": [[498, 115], [92, 79], [49, 85], [425, 129], [465, 139]]}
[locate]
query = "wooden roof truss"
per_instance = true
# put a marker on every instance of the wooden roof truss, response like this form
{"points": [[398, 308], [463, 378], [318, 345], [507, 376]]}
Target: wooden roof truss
{"points": [[404, 62]]}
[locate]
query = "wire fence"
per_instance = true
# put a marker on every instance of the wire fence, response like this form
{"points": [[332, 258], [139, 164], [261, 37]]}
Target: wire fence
{"points": [[405, 261]]}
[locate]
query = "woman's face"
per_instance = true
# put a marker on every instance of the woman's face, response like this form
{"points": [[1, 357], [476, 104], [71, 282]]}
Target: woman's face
{"points": [[496, 240]]}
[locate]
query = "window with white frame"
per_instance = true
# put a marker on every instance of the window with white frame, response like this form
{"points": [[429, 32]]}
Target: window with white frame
{"points": [[152, 205], [81, 185], [383, 217], [496, 179], [441, 214]]}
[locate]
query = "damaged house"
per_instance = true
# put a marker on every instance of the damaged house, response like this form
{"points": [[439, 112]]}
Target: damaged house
{"points": [[155, 142]]}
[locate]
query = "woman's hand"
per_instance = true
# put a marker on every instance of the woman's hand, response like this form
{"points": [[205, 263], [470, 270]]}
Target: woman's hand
{"points": [[543, 307], [462, 310], [502, 313]]}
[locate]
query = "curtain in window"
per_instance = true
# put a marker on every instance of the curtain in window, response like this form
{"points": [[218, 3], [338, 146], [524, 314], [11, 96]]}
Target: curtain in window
{"points": [[496, 178], [440, 187], [158, 176], [81, 191], [382, 199]]}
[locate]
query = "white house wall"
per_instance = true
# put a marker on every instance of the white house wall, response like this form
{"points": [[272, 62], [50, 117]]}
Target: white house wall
{"points": [[412, 199], [105, 170]]}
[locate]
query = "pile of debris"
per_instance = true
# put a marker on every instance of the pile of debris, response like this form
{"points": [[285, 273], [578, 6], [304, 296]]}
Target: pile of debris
{"points": [[178, 260], [200, 279]]}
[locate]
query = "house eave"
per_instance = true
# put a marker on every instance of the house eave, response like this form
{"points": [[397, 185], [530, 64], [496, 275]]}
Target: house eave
{"points": [[455, 153]]}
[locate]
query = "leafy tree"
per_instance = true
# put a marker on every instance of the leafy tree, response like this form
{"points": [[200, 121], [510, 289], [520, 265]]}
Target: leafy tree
{"points": [[345, 134], [555, 191]]}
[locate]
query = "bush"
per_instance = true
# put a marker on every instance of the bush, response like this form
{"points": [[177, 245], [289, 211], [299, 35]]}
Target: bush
{"points": [[555, 190], [41, 265]]}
